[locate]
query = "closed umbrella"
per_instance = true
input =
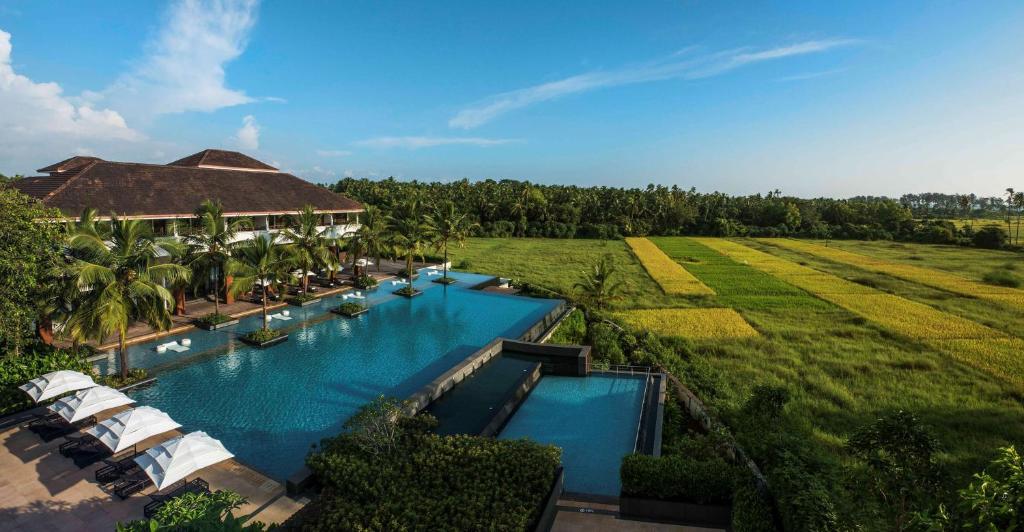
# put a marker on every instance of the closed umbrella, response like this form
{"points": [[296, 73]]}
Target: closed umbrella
{"points": [[89, 402], [56, 383], [179, 457], [128, 428]]}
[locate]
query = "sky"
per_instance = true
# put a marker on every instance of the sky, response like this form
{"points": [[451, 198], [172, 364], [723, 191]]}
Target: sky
{"points": [[814, 98]]}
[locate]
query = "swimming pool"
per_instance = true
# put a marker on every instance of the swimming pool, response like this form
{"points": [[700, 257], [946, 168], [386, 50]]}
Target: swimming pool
{"points": [[268, 406], [594, 420]]}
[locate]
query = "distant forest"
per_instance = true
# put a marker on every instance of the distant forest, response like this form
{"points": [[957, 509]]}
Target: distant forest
{"points": [[520, 208]]}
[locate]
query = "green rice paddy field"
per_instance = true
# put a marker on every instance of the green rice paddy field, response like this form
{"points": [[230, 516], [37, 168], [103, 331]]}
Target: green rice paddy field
{"points": [[844, 361]]}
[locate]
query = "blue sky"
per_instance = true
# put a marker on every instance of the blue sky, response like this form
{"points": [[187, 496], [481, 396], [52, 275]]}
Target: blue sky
{"points": [[814, 98]]}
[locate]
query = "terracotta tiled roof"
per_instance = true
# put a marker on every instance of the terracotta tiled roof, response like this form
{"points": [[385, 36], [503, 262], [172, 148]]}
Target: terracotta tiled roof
{"points": [[222, 158], [152, 190]]}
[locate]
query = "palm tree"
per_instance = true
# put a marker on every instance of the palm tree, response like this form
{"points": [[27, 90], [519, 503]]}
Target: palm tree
{"points": [[449, 226], [310, 245], [597, 286], [371, 239], [965, 202], [117, 277], [211, 244], [410, 234], [260, 262], [1009, 203], [1018, 201]]}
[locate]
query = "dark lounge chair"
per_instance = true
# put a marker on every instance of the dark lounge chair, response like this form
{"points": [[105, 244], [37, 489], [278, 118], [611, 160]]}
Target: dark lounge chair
{"points": [[89, 453], [114, 470], [196, 485], [131, 483], [44, 418], [52, 430]]}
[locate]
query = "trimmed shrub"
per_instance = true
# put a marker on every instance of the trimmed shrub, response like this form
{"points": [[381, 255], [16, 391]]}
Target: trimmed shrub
{"points": [[704, 480], [263, 335], [365, 281], [213, 319]]}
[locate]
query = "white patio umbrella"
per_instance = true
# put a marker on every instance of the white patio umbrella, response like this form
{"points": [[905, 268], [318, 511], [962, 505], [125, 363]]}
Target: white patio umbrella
{"points": [[298, 273], [56, 383], [130, 427], [362, 263], [88, 402], [179, 457]]}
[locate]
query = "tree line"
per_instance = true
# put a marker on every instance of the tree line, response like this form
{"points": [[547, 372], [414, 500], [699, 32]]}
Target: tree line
{"points": [[523, 209]]}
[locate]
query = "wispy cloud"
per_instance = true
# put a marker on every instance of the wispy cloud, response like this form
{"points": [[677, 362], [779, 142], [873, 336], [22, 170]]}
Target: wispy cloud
{"points": [[429, 142], [248, 136], [333, 153], [811, 75], [681, 65], [183, 68]]}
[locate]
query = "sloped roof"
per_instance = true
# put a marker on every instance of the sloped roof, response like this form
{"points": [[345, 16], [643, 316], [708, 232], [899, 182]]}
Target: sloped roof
{"points": [[153, 190], [222, 159]]}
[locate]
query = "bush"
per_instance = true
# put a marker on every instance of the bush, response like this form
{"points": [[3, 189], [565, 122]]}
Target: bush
{"points": [[572, 330], [751, 510], [389, 473], [213, 319], [195, 511], [115, 381], [365, 281], [302, 298], [262, 335], [683, 478], [605, 341], [990, 237], [1001, 278], [350, 309], [34, 362], [407, 290]]}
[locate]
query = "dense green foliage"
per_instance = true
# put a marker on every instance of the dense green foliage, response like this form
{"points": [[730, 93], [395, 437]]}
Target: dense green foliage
{"points": [[196, 512], [350, 309], [993, 501], [702, 479], [520, 208], [751, 511], [572, 330], [389, 472], [38, 360], [29, 253], [213, 318], [262, 335]]}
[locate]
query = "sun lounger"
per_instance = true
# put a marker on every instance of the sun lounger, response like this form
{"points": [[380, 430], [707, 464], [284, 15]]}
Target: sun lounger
{"points": [[279, 316], [74, 442], [52, 430], [88, 454], [44, 418], [114, 470], [131, 483], [173, 346], [197, 485]]}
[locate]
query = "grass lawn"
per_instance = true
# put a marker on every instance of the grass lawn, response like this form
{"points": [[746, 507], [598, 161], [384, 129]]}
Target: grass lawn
{"points": [[841, 369]]}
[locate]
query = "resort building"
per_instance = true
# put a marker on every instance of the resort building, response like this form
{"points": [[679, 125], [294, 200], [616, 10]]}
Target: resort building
{"points": [[168, 194]]}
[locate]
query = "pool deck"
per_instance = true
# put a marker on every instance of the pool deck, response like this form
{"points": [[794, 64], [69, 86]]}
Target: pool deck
{"points": [[42, 490]]}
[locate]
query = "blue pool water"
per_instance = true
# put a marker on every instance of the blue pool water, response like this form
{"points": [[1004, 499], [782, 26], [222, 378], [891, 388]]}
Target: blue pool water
{"points": [[268, 406], [593, 419]]}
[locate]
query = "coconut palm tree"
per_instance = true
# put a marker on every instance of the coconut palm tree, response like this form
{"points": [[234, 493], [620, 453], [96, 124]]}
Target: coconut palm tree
{"points": [[211, 244], [1010, 193], [118, 279], [448, 225], [371, 239], [598, 286], [310, 246], [410, 234], [261, 261]]}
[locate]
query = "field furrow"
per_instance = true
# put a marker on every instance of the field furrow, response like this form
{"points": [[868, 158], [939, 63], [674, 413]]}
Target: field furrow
{"points": [[670, 276], [916, 274], [690, 323]]}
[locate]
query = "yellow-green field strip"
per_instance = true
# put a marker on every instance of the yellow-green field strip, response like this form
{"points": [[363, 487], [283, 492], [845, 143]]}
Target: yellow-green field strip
{"points": [[965, 340], [916, 274], [691, 323], [673, 279]]}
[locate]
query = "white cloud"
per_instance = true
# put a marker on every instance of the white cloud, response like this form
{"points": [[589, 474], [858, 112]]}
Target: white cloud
{"points": [[183, 69], [333, 153], [681, 65], [37, 118], [248, 136], [429, 142]]}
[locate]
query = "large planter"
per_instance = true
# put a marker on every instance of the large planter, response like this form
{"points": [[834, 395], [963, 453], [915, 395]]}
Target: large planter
{"points": [[414, 293], [441, 280], [214, 326], [352, 315], [273, 341], [307, 302], [685, 513]]}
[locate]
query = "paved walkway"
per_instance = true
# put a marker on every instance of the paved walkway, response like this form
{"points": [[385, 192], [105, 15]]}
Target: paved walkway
{"points": [[42, 490], [575, 516]]}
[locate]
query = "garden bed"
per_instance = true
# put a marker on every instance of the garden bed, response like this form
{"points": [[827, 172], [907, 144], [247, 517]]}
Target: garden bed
{"points": [[302, 301], [350, 310], [258, 340], [212, 322], [445, 281], [406, 292]]}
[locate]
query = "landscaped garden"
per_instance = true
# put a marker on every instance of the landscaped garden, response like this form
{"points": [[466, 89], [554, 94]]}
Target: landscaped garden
{"points": [[836, 363]]}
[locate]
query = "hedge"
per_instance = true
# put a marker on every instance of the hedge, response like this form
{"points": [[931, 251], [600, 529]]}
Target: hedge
{"points": [[702, 480], [431, 482]]}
